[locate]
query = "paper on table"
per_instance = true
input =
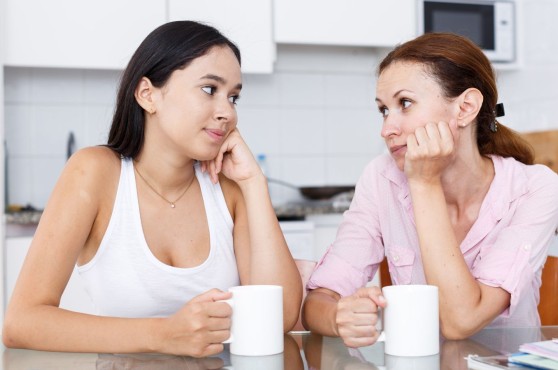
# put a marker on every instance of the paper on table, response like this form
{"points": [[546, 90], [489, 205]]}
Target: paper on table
{"points": [[547, 348], [538, 362], [491, 363]]}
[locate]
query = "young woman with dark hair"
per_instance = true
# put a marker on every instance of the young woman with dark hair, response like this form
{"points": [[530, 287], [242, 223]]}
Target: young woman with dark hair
{"points": [[162, 220], [457, 203]]}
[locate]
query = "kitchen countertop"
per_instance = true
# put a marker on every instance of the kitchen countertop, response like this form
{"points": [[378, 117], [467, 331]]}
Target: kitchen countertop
{"points": [[300, 209], [23, 217], [294, 209], [24, 223]]}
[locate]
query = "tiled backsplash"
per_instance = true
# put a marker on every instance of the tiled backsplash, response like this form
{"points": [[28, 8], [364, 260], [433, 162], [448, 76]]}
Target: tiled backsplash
{"points": [[314, 117]]}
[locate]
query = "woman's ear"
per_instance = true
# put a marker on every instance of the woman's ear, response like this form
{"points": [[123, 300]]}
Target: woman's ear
{"points": [[144, 95], [470, 103]]}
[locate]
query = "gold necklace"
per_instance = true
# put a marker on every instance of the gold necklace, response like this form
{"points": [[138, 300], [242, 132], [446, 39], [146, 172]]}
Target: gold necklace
{"points": [[172, 204]]}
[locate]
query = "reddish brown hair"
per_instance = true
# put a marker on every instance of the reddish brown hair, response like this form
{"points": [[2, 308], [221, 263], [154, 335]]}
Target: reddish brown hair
{"points": [[457, 64]]}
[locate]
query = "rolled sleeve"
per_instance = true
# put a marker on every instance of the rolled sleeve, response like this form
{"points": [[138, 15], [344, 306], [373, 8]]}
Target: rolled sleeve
{"points": [[335, 273], [514, 252], [508, 269]]}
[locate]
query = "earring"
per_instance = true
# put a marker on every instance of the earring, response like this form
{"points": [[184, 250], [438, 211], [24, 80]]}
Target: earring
{"points": [[493, 126]]}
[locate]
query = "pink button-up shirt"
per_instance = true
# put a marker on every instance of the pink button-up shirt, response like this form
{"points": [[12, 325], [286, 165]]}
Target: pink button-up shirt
{"points": [[506, 246]]}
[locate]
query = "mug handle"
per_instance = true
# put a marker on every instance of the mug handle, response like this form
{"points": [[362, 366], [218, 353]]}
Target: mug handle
{"points": [[382, 337], [230, 303]]}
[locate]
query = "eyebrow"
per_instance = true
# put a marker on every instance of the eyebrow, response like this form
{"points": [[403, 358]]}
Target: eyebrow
{"points": [[219, 79], [394, 95]]}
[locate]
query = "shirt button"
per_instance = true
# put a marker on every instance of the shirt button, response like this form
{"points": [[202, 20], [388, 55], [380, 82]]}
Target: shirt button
{"points": [[527, 247], [396, 258]]}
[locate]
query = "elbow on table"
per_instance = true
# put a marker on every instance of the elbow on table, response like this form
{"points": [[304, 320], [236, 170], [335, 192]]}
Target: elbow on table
{"points": [[457, 329], [11, 334]]}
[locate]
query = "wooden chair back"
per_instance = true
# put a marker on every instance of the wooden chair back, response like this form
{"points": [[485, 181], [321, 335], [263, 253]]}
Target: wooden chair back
{"points": [[548, 305], [385, 277], [545, 145]]}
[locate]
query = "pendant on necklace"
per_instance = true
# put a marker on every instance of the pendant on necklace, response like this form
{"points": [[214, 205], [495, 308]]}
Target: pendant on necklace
{"points": [[172, 205]]}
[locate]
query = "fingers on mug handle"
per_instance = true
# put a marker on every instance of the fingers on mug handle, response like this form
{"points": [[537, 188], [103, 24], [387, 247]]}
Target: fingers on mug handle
{"points": [[230, 303]]}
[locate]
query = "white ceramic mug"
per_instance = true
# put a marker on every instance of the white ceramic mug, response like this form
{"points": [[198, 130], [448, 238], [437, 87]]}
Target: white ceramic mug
{"points": [[410, 320], [257, 320]]}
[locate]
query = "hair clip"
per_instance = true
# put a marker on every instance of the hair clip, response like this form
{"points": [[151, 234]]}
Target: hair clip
{"points": [[499, 110]]}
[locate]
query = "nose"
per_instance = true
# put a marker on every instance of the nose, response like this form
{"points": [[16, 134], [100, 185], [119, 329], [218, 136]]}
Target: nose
{"points": [[225, 111], [391, 127]]}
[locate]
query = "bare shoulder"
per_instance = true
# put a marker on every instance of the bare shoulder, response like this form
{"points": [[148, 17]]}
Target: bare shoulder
{"points": [[95, 158], [94, 171], [94, 162]]}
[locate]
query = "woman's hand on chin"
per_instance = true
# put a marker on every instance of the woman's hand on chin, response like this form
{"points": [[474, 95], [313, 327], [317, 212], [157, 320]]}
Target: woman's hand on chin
{"points": [[234, 160], [429, 151]]}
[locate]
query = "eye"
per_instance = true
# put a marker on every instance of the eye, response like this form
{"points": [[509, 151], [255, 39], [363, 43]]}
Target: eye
{"points": [[210, 90], [405, 103], [234, 99], [384, 111]]}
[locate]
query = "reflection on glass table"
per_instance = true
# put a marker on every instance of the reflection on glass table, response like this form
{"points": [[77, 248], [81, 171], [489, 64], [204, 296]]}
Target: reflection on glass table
{"points": [[302, 352]]}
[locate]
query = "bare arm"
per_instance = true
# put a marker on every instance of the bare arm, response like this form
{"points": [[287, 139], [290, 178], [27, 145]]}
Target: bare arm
{"points": [[466, 305], [68, 225], [262, 253]]}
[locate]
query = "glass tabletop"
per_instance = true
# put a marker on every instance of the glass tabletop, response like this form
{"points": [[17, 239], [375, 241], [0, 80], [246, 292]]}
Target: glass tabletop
{"points": [[303, 351]]}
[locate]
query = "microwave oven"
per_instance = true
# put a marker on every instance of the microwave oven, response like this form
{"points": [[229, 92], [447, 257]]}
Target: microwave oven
{"points": [[488, 23]]}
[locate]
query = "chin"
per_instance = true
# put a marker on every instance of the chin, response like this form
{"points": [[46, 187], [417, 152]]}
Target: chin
{"points": [[208, 156]]}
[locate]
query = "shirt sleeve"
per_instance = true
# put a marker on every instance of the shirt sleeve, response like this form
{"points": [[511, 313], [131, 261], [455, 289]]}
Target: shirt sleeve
{"points": [[353, 258], [515, 259]]}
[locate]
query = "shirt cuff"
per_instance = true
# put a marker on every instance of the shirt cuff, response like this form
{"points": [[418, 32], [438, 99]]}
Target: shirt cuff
{"points": [[334, 273]]}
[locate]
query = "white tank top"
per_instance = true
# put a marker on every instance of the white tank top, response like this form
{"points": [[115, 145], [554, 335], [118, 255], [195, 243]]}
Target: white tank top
{"points": [[125, 279]]}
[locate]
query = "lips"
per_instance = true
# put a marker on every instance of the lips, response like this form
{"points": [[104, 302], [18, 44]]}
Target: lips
{"points": [[215, 134], [397, 149]]}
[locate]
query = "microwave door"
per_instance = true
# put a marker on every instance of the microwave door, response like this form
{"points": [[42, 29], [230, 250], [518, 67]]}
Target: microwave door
{"points": [[475, 21]]}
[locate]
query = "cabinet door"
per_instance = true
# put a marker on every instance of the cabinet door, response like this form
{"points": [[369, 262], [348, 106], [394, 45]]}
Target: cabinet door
{"points": [[100, 34], [74, 298], [350, 22], [248, 23]]}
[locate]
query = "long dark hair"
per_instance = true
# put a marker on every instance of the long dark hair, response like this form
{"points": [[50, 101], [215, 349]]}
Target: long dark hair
{"points": [[457, 64], [169, 47]]}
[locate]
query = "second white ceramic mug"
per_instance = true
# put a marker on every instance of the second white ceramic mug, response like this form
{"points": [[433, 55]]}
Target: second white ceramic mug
{"points": [[410, 320], [257, 320]]}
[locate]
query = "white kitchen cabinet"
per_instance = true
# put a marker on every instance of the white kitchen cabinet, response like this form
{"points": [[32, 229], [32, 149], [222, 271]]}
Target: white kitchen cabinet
{"points": [[376, 23], [248, 23], [100, 34], [299, 236], [325, 230], [74, 298]]}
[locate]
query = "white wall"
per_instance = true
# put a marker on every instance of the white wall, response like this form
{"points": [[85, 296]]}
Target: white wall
{"points": [[314, 117]]}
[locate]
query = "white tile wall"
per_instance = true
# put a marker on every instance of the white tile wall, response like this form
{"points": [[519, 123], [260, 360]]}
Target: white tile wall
{"points": [[42, 107], [314, 117]]}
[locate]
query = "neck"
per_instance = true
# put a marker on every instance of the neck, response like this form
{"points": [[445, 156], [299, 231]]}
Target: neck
{"points": [[467, 180], [165, 175]]}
